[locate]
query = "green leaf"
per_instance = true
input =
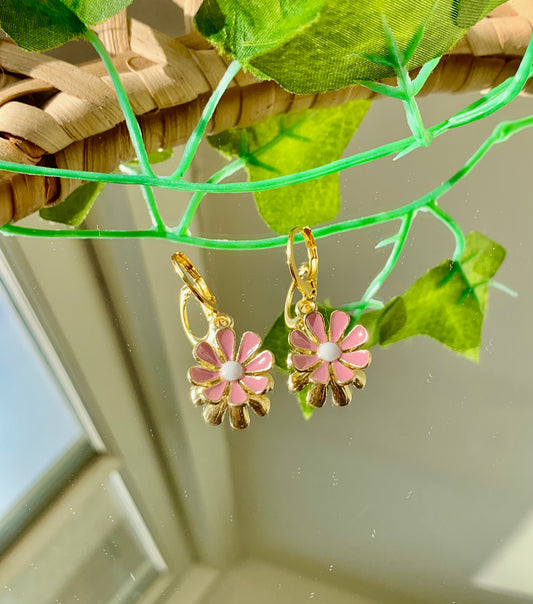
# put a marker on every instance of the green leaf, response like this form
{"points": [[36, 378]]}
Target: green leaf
{"points": [[76, 206], [156, 157], [435, 305], [307, 410], [95, 11], [289, 144], [308, 48], [247, 28], [38, 25], [469, 12], [447, 303], [277, 341]]}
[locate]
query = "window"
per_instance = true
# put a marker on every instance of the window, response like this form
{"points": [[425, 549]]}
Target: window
{"points": [[83, 492]]}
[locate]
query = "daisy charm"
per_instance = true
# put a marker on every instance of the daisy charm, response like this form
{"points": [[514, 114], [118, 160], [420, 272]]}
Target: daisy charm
{"points": [[332, 360], [320, 360], [225, 379]]}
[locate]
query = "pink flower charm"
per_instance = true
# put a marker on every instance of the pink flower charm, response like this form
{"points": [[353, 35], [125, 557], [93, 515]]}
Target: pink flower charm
{"points": [[224, 380], [332, 360]]}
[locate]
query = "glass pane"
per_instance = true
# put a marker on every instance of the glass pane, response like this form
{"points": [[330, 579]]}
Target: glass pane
{"points": [[102, 548], [41, 440]]}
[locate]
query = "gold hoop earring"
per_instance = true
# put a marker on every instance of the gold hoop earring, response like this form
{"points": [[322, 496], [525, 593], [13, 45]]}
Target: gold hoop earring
{"points": [[320, 359], [225, 379]]}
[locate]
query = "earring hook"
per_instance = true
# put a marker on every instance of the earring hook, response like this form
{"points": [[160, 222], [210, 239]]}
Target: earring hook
{"points": [[194, 281], [304, 277], [196, 286]]}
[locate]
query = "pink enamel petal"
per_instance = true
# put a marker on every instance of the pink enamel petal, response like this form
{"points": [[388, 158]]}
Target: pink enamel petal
{"points": [[300, 340], [200, 375], [357, 336], [204, 352], [226, 340], [237, 396], [315, 324], [256, 383], [338, 322], [301, 362], [262, 362], [250, 342], [358, 358], [343, 375], [321, 374], [214, 394]]}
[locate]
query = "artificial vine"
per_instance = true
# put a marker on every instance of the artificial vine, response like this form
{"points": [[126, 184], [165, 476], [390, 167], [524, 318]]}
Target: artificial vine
{"points": [[455, 292]]}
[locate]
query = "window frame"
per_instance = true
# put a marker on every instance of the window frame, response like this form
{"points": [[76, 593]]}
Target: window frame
{"points": [[123, 446]]}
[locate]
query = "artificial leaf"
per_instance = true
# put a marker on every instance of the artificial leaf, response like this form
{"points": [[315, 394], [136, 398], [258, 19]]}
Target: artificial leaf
{"points": [[156, 157], [38, 25], [326, 48], [288, 144], [469, 12], [41, 25], [447, 303], [95, 11], [76, 206], [307, 410], [277, 341], [247, 28]]}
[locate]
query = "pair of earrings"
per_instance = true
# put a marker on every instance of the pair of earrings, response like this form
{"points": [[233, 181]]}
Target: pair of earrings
{"points": [[230, 378]]}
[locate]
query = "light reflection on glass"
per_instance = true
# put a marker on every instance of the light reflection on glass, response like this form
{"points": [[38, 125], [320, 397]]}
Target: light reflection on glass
{"points": [[510, 569], [38, 427]]}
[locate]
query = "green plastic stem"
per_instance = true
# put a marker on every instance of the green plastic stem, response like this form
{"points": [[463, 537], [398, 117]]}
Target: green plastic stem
{"points": [[131, 120], [454, 227], [412, 112], [153, 210], [378, 281], [195, 138], [196, 199], [501, 132], [230, 169], [258, 185], [237, 187], [149, 197]]}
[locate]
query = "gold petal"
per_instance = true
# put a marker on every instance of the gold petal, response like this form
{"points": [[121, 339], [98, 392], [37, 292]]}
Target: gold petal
{"points": [[316, 396], [239, 417], [214, 412], [342, 395], [259, 403], [196, 396], [359, 380], [270, 384], [298, 380]]}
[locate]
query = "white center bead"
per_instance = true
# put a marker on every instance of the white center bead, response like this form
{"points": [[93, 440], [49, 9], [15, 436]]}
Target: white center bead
{"points": [[231, 371], [329, 352]]}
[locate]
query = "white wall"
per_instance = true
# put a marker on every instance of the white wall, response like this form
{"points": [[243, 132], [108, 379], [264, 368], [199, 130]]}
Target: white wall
{"points": [[410, 490]]}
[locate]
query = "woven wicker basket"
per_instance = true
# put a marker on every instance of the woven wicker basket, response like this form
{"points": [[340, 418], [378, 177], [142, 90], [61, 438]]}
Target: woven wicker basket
{"points": [[57, 114]]}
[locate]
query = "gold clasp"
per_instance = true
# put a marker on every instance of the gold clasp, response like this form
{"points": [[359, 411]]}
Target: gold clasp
{"points": [[194, 281], [196, 286], [304, 278]]}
